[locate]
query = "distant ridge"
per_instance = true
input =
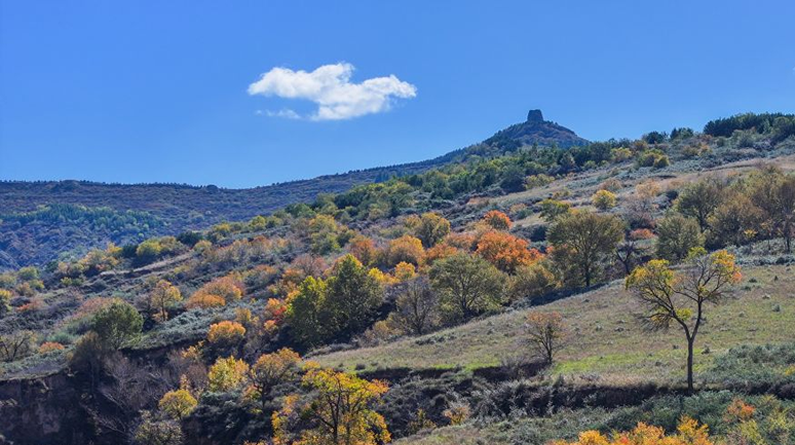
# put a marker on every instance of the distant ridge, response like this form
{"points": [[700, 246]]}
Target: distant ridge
{"points": [[30, 236]]}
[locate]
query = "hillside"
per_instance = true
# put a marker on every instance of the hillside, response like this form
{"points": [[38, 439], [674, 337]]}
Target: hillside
{"points": [[412, 303], [84, 215]]}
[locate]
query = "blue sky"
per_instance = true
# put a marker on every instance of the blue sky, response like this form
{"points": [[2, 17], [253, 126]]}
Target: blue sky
{"points": [[144, 91]]}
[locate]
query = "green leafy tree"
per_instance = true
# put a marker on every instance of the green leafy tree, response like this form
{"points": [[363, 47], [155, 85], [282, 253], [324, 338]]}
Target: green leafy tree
{"points": [[148, 251], [467, 286], [583, 243], [429, 227], [532, 280], [700, 199], [353, 296], [677, 236], [305, 314], [117, 323], [736, 221], [551, 209]]}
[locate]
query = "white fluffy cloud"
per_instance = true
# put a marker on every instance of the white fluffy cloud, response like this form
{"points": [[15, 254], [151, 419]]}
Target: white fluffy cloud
{"points": [[329, 87]]}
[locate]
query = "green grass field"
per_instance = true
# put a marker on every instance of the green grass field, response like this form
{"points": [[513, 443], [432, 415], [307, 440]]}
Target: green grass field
{"points": [[606, 342]]}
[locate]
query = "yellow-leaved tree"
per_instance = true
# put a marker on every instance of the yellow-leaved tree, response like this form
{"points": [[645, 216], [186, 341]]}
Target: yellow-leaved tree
{"points": [[339, 409], [689, 432], [680, 297], [161, 298], [268, 371], [226, 374]]}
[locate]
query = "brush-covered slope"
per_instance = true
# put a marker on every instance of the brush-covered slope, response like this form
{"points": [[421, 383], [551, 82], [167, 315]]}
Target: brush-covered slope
{"points": [[90, 346], [40, 221]]}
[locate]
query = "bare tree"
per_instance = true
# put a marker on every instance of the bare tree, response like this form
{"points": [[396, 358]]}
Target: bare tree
{"points": [[417, 307], [129, 390], [16, 345], [546, 333]]}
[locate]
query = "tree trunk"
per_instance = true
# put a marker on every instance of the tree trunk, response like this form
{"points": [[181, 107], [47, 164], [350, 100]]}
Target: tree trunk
{"points": [[690, 342]]}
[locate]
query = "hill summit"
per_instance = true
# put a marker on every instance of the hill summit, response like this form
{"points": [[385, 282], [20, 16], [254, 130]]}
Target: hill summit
{"points": [[536, 130]]}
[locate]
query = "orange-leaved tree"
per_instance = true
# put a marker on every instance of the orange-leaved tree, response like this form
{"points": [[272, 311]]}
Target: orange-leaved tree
{"points": [[506, 251], [405, 249], [497, 220], [680, 297]]}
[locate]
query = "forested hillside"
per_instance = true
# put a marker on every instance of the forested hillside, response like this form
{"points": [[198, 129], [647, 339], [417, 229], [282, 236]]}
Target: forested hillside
{"points": [[42, 221], [632, 292]]}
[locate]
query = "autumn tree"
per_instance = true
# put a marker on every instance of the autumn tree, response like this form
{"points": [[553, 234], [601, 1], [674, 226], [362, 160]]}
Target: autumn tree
{"points": [[689, 432], [680, 297], [164, 296], [117, 323], [497, 220], [340, 409], [217, 292], [177, 404], [226, 374], [363, 248], [774, 194], [584, 243], [467, 286], [416, 310], [545, 333], [405, 249], [225, 335], [429, 227], [604, 200], [640, 206], [405, 271], [5, 302], [270, 370], [505, 251], [677, 235]]}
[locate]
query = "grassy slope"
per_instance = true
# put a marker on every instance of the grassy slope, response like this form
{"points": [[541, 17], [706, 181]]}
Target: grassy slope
{"points": [[607, 343]]}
